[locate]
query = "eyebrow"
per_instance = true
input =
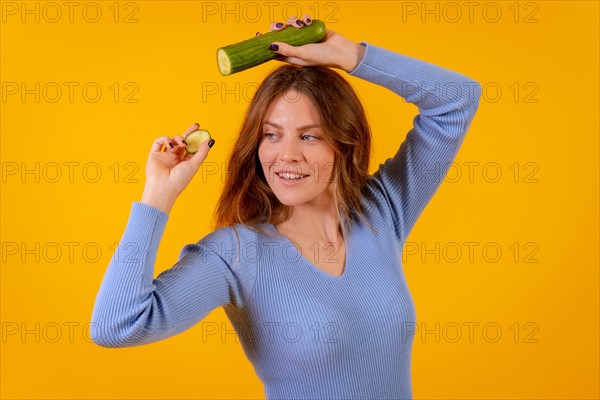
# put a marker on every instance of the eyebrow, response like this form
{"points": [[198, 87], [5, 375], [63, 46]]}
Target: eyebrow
{"points": [[302, 128]]}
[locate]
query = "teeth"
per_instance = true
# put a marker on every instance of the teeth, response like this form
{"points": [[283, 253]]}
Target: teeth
{"points": [[290, 176]]}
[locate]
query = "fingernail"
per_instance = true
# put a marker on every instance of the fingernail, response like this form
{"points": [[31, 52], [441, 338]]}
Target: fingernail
{"points": [[273, 47], [184, 141], [257, 33], [279, 25], [171, 144], [299, 22], [211, 142], [308, 20]]}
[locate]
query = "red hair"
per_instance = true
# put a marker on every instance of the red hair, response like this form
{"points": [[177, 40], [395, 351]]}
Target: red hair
{"points": [[247, 198]]}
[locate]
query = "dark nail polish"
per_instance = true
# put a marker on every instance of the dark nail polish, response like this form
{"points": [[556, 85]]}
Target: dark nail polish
{"points": [[171, 144], [274, 47], [184, 141], [299, 22], [308, 20], [279, 25], [211, 142], [257, 33]]}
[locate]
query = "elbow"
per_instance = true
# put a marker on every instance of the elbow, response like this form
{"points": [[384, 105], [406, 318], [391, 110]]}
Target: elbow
{"points": [[112, 334], [474, 96], [103, 330], [122, 330], [103, 335], [468, 108], [469, 103], [463, 98]]}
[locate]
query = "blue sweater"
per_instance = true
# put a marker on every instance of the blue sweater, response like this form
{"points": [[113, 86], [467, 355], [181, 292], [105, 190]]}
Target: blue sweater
{"points": [[309, 334]]}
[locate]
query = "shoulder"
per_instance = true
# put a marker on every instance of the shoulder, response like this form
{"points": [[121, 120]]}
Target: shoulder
{"points": [[231, 243], [226, 257]]}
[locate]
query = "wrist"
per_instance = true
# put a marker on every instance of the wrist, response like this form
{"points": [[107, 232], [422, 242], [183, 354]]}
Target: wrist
{"points": [[355, 54], [157, 198]]}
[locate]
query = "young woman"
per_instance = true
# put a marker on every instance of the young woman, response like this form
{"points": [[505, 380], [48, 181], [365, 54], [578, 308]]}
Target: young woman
{"points": [[306, 257]]}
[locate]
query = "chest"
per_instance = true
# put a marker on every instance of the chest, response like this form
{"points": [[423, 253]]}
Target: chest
{"points": [[303, 310], [328, 257], [301, 315], [362, 275]]}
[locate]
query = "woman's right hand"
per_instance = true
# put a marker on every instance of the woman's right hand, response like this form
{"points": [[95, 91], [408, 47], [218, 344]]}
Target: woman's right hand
{"points": [[169, 172]]}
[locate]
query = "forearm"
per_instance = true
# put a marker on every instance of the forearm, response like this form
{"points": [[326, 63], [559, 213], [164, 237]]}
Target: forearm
{"points": [[433, 89], [126, 293]]}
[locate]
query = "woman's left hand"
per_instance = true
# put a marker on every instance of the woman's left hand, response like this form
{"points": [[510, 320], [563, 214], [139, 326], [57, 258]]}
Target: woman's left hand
{"points": [[333, 51]]}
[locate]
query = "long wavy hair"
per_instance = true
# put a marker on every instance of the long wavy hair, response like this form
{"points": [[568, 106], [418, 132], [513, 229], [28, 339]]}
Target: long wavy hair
{"points": [[247, 198]]}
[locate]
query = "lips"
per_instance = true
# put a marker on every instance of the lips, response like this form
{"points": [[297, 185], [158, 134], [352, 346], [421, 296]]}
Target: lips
{"points": [[293, 174], [293, 180]]}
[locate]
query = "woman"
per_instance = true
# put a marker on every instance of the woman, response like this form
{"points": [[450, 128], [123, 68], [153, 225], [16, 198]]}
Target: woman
{"points": [[308, 271]]}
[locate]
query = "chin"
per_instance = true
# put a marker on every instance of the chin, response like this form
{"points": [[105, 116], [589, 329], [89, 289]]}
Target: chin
{"points": [[290, 202]]}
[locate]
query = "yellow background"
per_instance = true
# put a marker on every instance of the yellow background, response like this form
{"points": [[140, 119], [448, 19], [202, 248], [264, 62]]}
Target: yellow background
{"points": [[168, 55]]}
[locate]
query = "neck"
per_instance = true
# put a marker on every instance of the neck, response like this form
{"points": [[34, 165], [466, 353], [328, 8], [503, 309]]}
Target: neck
{"points": [[316, 223]]}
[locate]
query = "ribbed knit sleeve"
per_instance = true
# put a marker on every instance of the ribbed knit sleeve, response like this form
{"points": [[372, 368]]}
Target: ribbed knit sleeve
{"points": [[132, 308], [447, 102]]}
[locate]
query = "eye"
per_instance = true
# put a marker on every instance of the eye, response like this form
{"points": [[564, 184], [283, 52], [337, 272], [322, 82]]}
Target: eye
{"points": [[268, 134], [310, 136]]}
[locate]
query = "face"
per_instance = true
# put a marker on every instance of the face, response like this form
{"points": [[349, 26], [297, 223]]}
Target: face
{"points": [[292, 140]]}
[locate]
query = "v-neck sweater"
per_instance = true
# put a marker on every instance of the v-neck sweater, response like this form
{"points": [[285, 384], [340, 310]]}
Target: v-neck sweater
{"points": [[309, 334]]}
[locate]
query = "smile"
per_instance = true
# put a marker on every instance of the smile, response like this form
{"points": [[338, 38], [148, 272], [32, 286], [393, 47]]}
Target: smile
{"points": [[291, 178]]}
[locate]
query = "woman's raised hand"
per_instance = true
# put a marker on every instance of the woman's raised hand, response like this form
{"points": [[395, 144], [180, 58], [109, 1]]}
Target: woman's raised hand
{"points": [[333, 51], [169, 172]]}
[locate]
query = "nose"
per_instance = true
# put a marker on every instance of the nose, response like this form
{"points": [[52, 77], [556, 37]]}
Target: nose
{"points": [[291, 152]]}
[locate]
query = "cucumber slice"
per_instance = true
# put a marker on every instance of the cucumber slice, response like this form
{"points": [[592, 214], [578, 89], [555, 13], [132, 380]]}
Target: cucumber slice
{"points": [[255, 51], [195, 139]]}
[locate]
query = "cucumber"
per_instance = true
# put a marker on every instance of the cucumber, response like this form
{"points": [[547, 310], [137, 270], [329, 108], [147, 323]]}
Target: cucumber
{"points": [[195, 139], [255, 51]]}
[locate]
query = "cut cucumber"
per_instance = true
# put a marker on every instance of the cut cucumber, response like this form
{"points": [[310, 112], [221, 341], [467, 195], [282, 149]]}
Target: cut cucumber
{"points": [[195, 139], [255, 51]]}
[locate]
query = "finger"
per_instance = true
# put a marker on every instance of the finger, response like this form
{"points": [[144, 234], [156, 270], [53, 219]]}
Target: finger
{"points": [[295, 22], [258, 33], [306, 19], [159, 143], [294, 60], [276, 26], [180, 141], [172, 147], [180, 145], [278, 57], [191, 129], [201, 154], [288, 50], [175, 145]]}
